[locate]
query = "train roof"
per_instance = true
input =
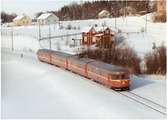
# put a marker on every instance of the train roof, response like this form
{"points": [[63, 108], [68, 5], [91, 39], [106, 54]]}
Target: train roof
{"points": [[55, 52], [44, 50], [108, 67], [81, 60], [62, 54]]}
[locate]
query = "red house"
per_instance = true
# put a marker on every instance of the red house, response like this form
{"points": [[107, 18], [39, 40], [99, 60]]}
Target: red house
{"points": [[88, 36], [95, 35]]}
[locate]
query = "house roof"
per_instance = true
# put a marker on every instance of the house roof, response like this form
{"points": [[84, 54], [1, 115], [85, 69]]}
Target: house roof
{"points": [[98, 35], [19, 17], [45, 16], [97, 29], [87, 29], [102, 12]]}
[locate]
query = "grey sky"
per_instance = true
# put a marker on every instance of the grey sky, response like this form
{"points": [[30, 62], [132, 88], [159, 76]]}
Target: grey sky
{"points": [[31, 7]]}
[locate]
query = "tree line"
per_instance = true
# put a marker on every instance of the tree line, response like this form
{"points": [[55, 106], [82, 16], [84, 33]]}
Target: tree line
{"points": [[90, 10], [7, 17]]}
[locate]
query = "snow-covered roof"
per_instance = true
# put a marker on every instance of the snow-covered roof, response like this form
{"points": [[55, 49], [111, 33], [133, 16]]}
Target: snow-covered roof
{"points": [[46, 15], [87, 29], [103, 11], [19, 17], [98, 35], [97, 29]]}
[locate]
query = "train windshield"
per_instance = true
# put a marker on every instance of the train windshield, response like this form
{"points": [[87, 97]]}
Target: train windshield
{"points": [[118, 76]]}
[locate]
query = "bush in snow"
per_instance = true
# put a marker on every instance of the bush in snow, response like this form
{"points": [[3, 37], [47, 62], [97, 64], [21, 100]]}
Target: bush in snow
{"points": [[69, 27], [119, 38], [96, 25], [126, 57], [156, 61], [159, 18]]}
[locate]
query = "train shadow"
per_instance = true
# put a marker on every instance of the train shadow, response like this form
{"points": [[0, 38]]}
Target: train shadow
{"points": [[138, 82]]}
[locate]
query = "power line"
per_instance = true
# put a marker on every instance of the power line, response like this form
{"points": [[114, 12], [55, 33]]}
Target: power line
{"points": [[12, 39], [39, 31]]}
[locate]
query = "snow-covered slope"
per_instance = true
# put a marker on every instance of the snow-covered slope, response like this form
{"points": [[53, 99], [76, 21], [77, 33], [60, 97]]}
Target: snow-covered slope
{"points": [[133, 28], [32, 89]]}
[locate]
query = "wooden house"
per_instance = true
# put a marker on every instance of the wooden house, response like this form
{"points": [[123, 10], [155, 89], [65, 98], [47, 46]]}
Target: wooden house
{"points": [[47, 18], [103, 37], [88, 36], [22, 20], [104, 14]]}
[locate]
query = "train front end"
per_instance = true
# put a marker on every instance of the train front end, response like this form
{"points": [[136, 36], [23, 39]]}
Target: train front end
{"points": [[119, 81]]}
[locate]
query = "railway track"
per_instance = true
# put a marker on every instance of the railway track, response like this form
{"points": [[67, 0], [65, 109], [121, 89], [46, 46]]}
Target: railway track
{"points": [[144, 101]]}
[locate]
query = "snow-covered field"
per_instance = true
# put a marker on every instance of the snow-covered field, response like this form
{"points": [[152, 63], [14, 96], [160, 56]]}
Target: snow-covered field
{"points": [[32, 89], [132, 27]]}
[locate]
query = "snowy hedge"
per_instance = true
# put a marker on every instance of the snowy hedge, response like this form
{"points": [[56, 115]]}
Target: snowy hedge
{"points": [[126, 57], [156, 61]]}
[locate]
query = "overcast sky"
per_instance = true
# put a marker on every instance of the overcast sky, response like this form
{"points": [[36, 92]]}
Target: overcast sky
{"points": [[30, 7]]}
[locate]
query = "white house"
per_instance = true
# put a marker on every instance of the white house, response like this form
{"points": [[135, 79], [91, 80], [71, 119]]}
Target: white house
{"points": [[22, 20], [47, 18], [104, 14]]}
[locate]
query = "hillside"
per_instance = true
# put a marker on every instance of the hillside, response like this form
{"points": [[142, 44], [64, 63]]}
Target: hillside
{"points": [[90, 10], [26, 37]]}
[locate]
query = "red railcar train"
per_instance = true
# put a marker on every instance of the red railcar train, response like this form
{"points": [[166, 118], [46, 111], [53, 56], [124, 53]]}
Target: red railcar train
{"points": [[112, 76]]}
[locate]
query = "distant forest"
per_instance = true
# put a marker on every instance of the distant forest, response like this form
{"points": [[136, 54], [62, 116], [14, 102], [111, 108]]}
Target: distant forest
{"points": [[90, 10]]}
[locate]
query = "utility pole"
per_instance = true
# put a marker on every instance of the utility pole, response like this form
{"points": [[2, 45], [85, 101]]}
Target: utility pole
{"points": [[146, 17], [39, 30], [50, 44], [115, 22], [115, 16], [12, 39], [67, 37]]}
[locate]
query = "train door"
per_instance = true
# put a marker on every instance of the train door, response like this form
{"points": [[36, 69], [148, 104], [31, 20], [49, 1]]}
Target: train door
{"points": [[66, 64]]}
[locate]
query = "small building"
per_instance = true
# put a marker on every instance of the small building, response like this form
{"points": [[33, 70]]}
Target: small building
{"points": [[161, 7], [102, 37], [104, 14], [22, 20], [88, 34], [47, 18]]}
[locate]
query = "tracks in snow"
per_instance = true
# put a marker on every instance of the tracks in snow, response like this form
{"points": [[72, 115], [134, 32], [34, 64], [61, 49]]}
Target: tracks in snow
{"points": [[144, 101]]}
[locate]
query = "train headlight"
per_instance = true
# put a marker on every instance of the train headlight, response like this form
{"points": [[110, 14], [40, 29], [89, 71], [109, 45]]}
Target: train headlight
{"points": [[123, 82]]}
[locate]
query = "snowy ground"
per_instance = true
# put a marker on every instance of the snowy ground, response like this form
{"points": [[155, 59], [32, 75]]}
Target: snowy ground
{"points": [[31, 89], [152, 87], [132, 26]]}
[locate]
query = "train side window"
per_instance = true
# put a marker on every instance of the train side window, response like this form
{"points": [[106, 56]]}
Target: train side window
{"points": [[123, 76], [115, 76]]}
